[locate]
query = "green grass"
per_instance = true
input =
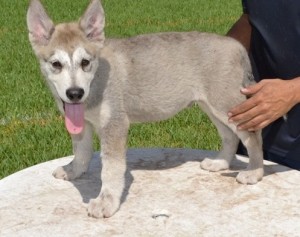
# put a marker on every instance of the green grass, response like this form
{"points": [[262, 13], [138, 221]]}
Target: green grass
{"points": [[31, 129]]}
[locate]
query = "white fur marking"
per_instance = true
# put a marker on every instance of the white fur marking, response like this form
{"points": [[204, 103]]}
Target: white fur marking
{"points": [[62, 80], [247, 141], [78, 55], [105, 113], [62, 57]]}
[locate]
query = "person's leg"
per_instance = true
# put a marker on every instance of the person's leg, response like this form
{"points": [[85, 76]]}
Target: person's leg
{"points": [[292, 159]]}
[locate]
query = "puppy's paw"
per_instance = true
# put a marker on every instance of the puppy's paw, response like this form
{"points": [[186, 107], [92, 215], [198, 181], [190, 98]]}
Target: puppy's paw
{"points": [[67, 172], [214, 164], [105, 205], [250, 176]]}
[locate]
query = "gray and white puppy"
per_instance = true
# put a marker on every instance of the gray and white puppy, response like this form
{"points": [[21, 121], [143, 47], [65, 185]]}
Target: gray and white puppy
{"points": [[105, 84]]}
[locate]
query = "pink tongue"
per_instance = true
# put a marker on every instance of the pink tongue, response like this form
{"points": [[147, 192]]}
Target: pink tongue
{"points": [[74, 118]]}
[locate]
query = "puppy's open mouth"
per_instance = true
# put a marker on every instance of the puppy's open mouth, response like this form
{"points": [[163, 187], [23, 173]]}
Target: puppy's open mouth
{"points": [[74, 117]]}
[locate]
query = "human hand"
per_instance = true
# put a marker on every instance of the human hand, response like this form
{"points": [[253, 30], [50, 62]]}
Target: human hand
{"points": [[269, 100]]}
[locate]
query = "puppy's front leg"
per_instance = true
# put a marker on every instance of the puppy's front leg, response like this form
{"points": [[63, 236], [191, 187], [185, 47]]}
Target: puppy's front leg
{"points": [[83, 151], [113, 155]]}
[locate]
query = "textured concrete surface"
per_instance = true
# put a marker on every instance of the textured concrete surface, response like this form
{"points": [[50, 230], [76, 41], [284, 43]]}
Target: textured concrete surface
{"points": [[167, 195]]}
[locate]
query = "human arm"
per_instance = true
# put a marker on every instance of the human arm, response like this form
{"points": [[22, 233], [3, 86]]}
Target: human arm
{"points": [[269, 100], [241, 31]]}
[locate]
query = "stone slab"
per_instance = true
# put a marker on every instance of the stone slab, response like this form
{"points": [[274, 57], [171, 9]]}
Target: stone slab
{"points": [[167, 195]]}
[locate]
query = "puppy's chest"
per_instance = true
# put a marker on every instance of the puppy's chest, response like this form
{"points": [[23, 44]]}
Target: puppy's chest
{"points": [[93, 117], [99, 116]]}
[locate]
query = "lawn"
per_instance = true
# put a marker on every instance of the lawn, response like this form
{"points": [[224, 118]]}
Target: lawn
{"points": [[32, 130]]}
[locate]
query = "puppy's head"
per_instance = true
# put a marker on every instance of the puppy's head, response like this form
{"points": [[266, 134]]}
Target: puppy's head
{"points": [[67, 52]]}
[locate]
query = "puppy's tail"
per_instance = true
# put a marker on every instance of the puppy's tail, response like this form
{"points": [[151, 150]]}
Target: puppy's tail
{"points": [[248, 73]]}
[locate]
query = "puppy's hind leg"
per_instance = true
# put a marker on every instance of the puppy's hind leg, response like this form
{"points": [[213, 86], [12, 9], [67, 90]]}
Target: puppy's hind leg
{"points": [[228, 149], [254, 172], [83, 151]]}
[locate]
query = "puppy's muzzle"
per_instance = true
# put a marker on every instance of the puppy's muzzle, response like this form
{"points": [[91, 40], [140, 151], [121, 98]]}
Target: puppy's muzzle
{"points": [[75, 94]]}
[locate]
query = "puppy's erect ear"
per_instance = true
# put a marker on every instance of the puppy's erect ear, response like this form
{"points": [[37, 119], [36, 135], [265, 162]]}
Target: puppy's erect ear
{"points": [[39, 24], [92, 22]]}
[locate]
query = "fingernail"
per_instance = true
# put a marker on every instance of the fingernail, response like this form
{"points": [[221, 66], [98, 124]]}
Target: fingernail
{"points": [[229, 114], [230, 120], [244, 90]]}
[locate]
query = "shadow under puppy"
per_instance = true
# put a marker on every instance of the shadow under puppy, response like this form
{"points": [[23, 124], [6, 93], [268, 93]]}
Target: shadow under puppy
{"points": [[103, 85]]}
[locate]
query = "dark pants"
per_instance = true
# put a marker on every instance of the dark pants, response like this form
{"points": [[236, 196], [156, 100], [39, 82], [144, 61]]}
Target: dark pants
{"points": [[283, 160]]}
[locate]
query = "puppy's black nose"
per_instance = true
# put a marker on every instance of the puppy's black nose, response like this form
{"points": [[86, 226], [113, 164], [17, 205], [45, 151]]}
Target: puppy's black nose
{"points": [[75, 94]]}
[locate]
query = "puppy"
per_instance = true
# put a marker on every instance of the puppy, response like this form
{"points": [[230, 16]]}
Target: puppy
{"points": [[103, 85]]}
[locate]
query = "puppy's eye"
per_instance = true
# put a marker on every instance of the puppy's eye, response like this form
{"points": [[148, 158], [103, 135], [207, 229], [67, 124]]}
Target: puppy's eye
{"points": [[85, 63], [57, 65]]}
